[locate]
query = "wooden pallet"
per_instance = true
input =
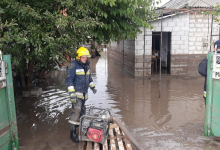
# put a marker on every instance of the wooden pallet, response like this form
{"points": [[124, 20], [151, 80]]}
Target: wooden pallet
{"points": [[117, 140]]}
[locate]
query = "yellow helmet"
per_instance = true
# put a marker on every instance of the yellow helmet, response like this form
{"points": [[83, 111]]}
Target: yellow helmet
{"points": [[82, 52]]}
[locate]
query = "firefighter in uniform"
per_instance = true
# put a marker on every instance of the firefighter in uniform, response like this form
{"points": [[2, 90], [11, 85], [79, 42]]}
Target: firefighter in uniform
{"points": [[203, 71], [203, 67], [78, 81]]}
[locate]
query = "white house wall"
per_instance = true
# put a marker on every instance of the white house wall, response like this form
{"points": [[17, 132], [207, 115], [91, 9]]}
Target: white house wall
{"points": [[178, 26], [200, 27], [186, 49]]}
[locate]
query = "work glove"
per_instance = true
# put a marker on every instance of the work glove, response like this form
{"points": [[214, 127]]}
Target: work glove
{"points": [[94, 90], [92, 87], [72, 94]]}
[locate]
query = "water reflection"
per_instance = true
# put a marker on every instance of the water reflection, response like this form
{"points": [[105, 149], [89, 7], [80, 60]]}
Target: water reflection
{"points": [[175, 120]]}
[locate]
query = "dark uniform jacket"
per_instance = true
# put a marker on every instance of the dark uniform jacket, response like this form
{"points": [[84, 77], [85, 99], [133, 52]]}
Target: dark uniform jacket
{"points": [[203, 70], [79, 76]]}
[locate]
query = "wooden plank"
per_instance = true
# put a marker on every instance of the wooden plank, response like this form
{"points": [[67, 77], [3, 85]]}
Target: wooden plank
{"points": [[96, 146], [81, 145], [112, 140], [120, 143], [127, 142], [105, 145], [89, 146], [113, 126]]}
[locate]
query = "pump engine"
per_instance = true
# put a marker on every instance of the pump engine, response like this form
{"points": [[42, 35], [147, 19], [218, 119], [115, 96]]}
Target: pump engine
{"points": [[94, 125]]}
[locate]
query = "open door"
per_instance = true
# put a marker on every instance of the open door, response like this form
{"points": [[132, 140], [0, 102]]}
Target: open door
{"points": [[165, 53]]}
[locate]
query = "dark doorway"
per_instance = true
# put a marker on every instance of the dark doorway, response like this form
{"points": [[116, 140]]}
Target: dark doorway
{"points": [[165, 53]]}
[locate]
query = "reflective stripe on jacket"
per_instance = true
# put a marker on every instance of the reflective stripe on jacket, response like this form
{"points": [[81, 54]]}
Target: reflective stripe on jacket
{"points": [[81, 96], [79, 76], [204, 94]]}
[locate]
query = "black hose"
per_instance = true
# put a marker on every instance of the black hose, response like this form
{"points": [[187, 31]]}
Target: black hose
{"points": [[113, 119]]}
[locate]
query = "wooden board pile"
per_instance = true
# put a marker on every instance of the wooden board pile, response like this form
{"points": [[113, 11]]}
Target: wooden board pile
{"points": [[117, 140]]}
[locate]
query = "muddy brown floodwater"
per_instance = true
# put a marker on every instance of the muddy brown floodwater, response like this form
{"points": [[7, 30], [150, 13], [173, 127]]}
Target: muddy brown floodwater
{"points": [[174, 121]]}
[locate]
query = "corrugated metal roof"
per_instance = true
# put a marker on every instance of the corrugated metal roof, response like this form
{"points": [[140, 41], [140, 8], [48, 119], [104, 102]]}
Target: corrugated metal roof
{"points": [[203, 3], [177, 4], [173, 4]]}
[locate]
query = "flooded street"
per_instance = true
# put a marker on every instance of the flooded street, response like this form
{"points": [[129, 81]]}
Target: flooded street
{"points": [[173, 121]]}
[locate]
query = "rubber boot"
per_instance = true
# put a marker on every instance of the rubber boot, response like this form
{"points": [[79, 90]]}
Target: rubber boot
{"points": [[73, 135]]}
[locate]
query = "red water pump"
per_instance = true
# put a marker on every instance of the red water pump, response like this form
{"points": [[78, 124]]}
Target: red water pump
{"points": [[94, 125], [95, 134]]}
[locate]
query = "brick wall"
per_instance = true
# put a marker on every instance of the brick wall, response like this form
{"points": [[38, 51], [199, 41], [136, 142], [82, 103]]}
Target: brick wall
{"points": [[200, 27], [186, 64], [139, 68], [129, 56], [122, 53], [179, 28], [187, 31]]}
